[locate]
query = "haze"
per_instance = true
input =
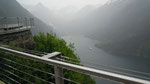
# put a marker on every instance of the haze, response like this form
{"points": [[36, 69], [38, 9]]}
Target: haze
{"points": [[58, 4], [111, 33]]}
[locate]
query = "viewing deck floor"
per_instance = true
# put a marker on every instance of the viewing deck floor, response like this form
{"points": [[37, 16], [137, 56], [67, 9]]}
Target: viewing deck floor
{"points": [[3, 32]]}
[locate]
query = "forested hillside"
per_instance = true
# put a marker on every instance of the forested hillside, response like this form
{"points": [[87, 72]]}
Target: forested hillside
{"points": [[44, 43]]}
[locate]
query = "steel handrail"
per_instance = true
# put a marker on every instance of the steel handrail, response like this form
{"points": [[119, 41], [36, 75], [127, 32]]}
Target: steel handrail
{"points": [[82, 69]]}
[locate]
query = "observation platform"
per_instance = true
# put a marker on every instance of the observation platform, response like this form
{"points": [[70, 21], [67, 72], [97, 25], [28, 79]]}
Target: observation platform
{"points": [[9, 25]]}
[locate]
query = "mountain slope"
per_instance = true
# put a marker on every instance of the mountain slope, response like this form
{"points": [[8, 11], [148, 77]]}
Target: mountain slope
{"points": [[127, 32], [44, 14], [122, 26], [11, 8]]}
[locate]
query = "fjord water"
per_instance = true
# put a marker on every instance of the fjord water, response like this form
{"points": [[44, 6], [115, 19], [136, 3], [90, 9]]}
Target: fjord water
{"points": [[85, 48]]}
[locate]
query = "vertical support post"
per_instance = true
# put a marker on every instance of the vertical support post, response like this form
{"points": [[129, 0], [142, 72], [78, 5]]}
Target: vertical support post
{"points": [[6, 23], [33, 22], [58, 74], [26, 22], [30, 22], [18, 22]]}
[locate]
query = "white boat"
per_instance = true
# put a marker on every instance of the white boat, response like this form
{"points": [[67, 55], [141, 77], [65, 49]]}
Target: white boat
{"points": [[90, 48]]}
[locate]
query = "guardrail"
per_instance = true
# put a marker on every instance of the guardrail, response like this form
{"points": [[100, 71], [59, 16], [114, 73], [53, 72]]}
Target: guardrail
{"points": [[59, 66], [15, 24]]}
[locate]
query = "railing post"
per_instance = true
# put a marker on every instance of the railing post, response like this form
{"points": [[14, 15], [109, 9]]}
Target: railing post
{"points": [[26, 24], [31, 22], [18, 21], [6, 22], [58, 75], [57, 70]]}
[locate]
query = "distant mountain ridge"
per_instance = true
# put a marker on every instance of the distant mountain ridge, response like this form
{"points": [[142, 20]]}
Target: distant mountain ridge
{"points": [[126, 30], [122, 26], [41, 12], [11, 8]]}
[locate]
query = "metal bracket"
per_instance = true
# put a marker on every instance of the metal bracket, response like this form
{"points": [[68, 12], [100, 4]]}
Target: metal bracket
{"points": [[52, 55]]}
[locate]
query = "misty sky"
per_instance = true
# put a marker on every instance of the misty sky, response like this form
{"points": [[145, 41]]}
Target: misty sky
{"points": [[58, 4]]}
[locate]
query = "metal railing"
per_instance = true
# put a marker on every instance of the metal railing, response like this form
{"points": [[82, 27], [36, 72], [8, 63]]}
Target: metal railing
{"points": [[8, 22], [59, 66], [15, 24]]}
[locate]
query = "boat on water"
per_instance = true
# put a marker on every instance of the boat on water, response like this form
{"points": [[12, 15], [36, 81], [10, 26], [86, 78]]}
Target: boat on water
{"points": [[90, 48]]}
